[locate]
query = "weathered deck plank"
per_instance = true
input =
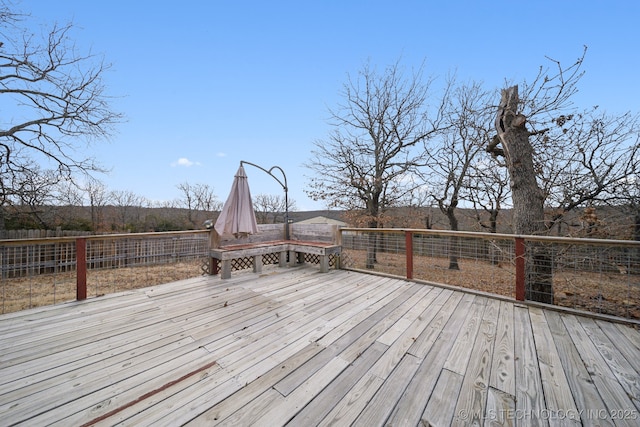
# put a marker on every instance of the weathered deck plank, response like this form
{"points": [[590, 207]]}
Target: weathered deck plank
{"points": [[332, 394], [586, 394], [472, 400], [558, 396], [529, 393], [293, 346], [419, 392], [503, 368], [440, 410], [620, 366], [226, 411], [383, 402]]}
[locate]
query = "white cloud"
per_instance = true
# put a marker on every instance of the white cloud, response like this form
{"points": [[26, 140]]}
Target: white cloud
{"points": [[221, 154], [183, 161]]}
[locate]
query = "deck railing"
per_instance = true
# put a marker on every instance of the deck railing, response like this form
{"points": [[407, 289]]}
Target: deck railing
{"points": [[36, 272], [600, 276]]}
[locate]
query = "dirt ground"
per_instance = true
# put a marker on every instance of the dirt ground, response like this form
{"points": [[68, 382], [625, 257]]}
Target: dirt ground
{"points": [[29, 292]]}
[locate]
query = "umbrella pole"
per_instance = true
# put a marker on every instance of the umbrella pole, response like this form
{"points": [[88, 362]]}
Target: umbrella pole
{"points": [[284, 187]]}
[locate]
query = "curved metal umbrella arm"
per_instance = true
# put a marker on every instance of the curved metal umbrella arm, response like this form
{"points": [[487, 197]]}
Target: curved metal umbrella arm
{"points": [[283, 185]]}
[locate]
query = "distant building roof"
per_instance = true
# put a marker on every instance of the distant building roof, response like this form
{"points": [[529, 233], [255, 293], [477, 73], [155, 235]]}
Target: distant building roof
{"points": [[323, 220]]}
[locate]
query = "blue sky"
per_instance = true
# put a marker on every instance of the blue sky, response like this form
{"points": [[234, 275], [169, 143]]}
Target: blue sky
{"points": [[205, 84]]}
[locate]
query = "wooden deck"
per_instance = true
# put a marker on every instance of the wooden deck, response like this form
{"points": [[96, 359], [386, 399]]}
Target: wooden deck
{"points": [[293, 346]]}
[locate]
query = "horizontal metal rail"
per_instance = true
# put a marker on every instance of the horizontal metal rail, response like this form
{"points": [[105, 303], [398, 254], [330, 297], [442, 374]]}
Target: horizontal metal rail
{"points": [[36, 272], [594, 275]]}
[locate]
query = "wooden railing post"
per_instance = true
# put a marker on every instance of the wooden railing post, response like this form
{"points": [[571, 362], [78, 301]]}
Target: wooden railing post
{"points": [[214, 243], [408, 238], [520, 266], [81, 269], [338, 241]]}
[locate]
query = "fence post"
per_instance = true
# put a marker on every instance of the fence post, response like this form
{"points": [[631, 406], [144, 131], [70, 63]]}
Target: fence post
{"points": [[408, 238], [520, 265], [81, 269], [214, 243]]}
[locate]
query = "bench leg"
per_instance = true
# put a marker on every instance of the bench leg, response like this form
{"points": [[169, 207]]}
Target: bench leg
{"points": [[292, 258], [226, 269], [282, 259], [324, 263], [257, 264]]}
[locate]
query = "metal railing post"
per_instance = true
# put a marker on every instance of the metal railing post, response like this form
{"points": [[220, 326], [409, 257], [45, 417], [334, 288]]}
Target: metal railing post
{"points": [[81, 269], [520, 266], [408, 238]]}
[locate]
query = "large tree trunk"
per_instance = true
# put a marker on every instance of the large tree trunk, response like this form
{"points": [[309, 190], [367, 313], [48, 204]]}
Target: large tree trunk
{"points": [[453, 240], [372, 250], [372, 245], [528, 202]]}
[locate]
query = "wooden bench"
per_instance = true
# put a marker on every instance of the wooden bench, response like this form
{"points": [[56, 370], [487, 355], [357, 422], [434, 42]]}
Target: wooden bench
{"points": [[294, 248]]}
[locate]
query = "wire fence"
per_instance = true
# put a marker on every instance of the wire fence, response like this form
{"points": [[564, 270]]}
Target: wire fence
{"points": [[38, 272], [599, 276]]}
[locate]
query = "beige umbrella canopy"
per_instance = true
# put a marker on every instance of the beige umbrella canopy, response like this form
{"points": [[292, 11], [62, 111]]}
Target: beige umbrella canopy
{"points": [[237, 216]]}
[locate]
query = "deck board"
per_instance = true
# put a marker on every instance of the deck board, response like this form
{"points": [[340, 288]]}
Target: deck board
{"points": [[585, 393], [503, 367], [383, 402], [529, 393], [440, 410], [291, 346], [554, 380], [320, 406], [472, 399], [410, 408], [620, 366]]}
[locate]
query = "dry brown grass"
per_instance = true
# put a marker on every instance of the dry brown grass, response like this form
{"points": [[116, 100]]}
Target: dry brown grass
{"points": [[605, 293], [37, 291]]}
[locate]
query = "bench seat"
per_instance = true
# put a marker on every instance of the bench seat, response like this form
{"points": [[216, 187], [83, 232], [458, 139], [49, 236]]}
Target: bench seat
{"points": [[295, 248]]}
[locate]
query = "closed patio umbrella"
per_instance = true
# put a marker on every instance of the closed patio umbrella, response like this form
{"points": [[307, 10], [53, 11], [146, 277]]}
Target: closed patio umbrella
{"points": [[237, 216]]}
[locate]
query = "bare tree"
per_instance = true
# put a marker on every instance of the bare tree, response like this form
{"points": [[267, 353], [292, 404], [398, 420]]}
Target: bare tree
{"points": [[206, 200], [69, 193], [630, 196], [373, 147], [527, 196], [586, 159], [32, 191], [57, 100], [452, 155], [99, 198], [557, 158], [188, 201], [269, 207], [489, 192], [128, 206], [200, 202], [70, 199]]}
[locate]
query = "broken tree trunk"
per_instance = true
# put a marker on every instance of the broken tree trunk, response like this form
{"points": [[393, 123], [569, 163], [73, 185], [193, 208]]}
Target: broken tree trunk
{"points": [[528, 201]]}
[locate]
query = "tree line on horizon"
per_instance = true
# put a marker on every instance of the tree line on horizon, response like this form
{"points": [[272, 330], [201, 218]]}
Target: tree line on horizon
{"points": [[93, 208]]}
